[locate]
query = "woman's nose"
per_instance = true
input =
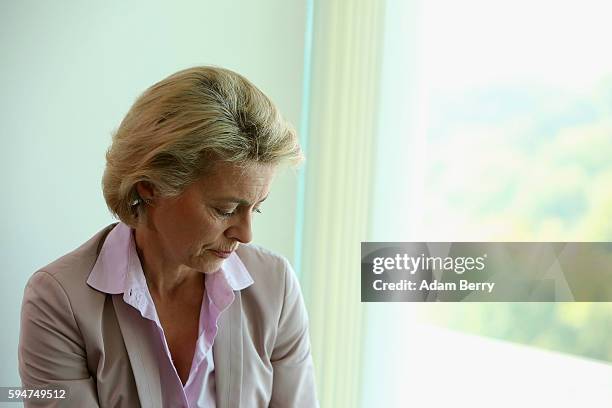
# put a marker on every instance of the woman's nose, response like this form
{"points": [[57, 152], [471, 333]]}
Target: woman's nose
{"points": [[241, 229]]}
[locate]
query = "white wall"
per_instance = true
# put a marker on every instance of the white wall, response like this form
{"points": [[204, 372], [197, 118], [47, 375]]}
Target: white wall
{"points": [[71, 69]]}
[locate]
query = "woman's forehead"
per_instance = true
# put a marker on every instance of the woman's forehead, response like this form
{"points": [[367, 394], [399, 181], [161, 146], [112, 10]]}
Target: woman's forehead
{"points": [[241, 184]]}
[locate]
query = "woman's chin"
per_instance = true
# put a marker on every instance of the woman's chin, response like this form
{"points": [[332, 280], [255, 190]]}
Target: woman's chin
{"points": [[208, 264]]}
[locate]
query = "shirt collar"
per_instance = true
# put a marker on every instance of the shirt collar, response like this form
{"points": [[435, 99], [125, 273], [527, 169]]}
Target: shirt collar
{"points": [[118, 268]]}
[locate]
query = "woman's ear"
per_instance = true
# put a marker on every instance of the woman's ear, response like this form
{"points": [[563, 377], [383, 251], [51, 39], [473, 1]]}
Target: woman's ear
{"points": [[145, 190]]}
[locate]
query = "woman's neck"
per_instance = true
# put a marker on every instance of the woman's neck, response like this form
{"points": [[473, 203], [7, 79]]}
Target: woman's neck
{"points": [[165, 279]]}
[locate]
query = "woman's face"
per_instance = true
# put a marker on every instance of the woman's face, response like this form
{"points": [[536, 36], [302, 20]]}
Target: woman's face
{"points": [[204, 224]]}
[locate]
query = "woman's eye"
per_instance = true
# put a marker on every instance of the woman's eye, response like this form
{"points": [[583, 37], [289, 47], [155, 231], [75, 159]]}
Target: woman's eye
{"points": [[225, 213]]}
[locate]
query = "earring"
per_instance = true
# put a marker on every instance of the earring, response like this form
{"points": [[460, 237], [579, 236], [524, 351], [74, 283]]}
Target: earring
{"points": [[140, 200]]}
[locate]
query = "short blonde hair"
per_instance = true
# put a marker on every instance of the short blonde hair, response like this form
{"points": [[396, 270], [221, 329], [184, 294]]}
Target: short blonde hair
{"points": [[181, 126]]}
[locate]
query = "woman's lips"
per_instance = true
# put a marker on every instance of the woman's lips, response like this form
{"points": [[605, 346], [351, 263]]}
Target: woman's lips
{"points": [[221, 254]]}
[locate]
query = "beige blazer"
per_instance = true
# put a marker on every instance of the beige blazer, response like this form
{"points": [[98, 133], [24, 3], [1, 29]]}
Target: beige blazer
{"points": [[76, 337]]}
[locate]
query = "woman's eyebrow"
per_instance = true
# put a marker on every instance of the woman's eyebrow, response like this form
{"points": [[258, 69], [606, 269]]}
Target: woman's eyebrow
{"points": [[239, 201]]}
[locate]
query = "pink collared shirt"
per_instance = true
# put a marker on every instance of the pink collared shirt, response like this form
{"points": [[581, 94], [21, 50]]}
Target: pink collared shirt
{"points": [[118, 270]]}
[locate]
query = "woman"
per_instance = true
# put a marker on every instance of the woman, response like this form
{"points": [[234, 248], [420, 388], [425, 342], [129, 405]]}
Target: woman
{"points": [[172, 307]]}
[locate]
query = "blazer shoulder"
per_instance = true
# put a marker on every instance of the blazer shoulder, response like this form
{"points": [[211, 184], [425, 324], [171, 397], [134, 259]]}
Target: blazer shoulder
{"points": [[72, 269], [264, 264], [273, 277]]}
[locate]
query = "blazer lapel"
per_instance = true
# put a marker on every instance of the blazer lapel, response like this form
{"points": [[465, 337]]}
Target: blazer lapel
{"points": [[142, 356], [227, 354]]}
